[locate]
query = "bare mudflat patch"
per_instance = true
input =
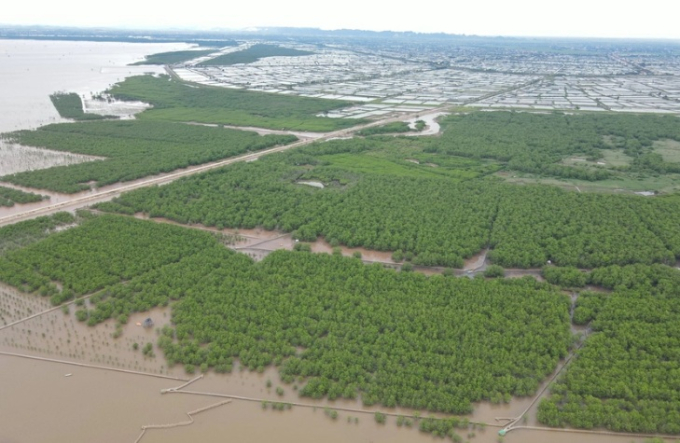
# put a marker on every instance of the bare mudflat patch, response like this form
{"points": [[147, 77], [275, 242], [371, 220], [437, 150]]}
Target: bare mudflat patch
{"points": [[122, 109], [57, 334], [17, 158], [476, 261]]}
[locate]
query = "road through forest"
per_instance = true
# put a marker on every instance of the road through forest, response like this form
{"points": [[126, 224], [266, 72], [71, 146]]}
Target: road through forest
{"points": [[110, 192]]}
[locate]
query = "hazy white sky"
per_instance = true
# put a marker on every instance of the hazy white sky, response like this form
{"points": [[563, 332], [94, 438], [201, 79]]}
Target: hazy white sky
{"points": [[577, 18]]}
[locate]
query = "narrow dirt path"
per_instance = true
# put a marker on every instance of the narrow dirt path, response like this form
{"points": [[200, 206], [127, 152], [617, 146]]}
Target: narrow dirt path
{"points": [[543, 391]]}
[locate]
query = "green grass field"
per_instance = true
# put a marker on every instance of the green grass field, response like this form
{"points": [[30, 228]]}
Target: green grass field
{"points": [[664, 184], [669, 150], [177, 101]]}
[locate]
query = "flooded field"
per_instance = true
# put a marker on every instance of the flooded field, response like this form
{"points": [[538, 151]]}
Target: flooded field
{"points": [[106, 393], [32, 70], [118, 389], [16, 158], [57, 334], [102, 405], [15, 306]]}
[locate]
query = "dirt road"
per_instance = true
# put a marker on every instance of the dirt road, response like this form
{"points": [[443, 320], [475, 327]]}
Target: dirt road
{"points": [[109, 192]]}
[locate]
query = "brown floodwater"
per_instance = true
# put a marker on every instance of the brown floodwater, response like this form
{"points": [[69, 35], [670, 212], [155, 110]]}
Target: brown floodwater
{"points": [[111, 405], [32, 70], [60, 336], [15, 305], [42, 404]]}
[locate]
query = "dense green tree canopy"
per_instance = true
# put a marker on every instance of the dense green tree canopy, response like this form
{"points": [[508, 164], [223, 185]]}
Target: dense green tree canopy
{"points": [[340, 327], [177, 101], [131, 150], [433, 218], [627, 375]]}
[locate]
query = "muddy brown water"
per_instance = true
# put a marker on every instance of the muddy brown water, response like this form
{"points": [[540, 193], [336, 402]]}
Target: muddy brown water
{"points": [[106, 405], [15, 305], [41, 404], [32, 70], [60, 336], [476, 261]]}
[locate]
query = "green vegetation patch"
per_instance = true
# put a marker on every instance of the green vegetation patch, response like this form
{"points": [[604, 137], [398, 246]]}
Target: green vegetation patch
{"points": [[434, 222], [627, 376], [668, 149], [174, 100], [611, 159], [71, 106], [24, 233], [133, 149], [253, 54], [396, 168], [338, 327], [373, 201], [9, 196], [100, 252], [627, 183], [536, 143], [171, 58], [346, 329], [390, 128], [566, 276], [535, 224]]}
